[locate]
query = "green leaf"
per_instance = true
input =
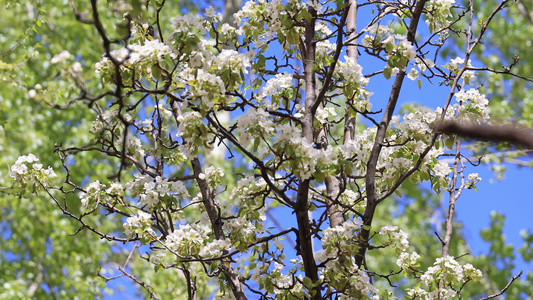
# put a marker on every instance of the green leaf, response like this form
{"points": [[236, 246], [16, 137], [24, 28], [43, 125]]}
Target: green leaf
{"points": [[387, 72], [398, 193], [156, 71], [449, 143], [308, 283], [306, 15]]}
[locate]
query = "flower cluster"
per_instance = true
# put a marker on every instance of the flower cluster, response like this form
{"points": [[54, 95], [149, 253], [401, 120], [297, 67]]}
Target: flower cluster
{"points": [[438, 14], [474, 102], [407, 261], [453, 65], [135, 59], [63, 56], [248, 194], [278, 17], [91, 197], [151, 190], [276, 86], [213, 176], [190, 239], [207, 87], [254, 123], [422, 65], [441, 278], [339, 240], [352, 83], [397, 237], [215, 248], [303, 158], [140, 224], [26, 170], [194, 133], [399, 51]]}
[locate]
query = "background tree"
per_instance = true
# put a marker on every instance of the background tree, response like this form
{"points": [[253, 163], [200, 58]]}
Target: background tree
{"points": [[39, 257], [292, 147]]}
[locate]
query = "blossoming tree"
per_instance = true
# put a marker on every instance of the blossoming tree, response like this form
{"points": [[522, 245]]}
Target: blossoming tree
{"points": [[254, 156]]}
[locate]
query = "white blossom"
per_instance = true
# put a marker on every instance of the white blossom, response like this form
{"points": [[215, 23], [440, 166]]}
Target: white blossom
{"points": [[276, 84], [413, 74], [64, 55]]}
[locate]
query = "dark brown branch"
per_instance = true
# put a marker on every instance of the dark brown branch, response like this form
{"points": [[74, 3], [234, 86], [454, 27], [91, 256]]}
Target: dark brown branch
{"points": [[504, 289], [372, 199], [484, 132]]}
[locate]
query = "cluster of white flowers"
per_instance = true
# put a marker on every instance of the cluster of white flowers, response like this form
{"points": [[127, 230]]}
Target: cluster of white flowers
{"points": [[213, 176], [353, 200], [243, 228], [139, 224], [215, 248], [322, 28], [33, 92], [442, 276], [93, 195], [325, 48], [149, 190], [399, 51], [290, 284], [134, 54], [351, 70], [396, 235], [231, 60], [315, 4], [469, 77], [25, 170], [309, 159], [102, 121], [422, 65], [406, 260], [441, 169], [211, 13], [19, 169], [416, 127], [344, 231], [404, 49], [189, 24], [248, 195], [359, 148], [474, 177], [323, 113], [285, 282], [205, 86], [453, 65], [254, 123], [115, 188], [475, 100], [188, 239], [150, 197], [133, 146], [352, 82], [271, 15], [76, 67], [438, 14], [63, 56], [276, 85], [354, 282], [413, 74], [194, 132], [376, 34]]}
